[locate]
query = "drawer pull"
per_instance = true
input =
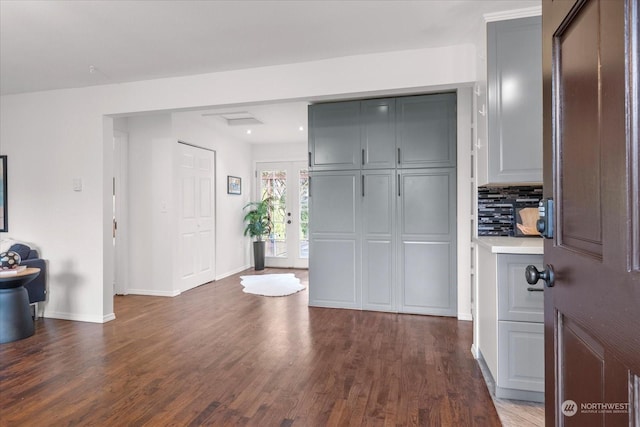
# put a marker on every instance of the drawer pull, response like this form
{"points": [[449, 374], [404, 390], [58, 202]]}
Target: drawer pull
{"points": [[535, 289]]}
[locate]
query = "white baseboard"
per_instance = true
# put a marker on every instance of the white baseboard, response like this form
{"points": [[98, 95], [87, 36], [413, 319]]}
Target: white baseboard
{"points": [[465, 316], [475, 352], [153, 293], [77, 317], [232, 272], [108, 317]]}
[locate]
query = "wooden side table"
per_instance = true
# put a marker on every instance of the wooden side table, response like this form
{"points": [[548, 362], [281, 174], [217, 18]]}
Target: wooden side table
{"points": [[15, 314]]}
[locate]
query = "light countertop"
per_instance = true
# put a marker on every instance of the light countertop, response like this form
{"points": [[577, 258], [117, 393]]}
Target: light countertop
{"points": [[512, 245]]}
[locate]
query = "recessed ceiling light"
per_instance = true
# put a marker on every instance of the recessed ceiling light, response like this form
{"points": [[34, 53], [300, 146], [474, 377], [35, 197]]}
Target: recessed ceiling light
{"points": [[248, 131], [301, 128]]}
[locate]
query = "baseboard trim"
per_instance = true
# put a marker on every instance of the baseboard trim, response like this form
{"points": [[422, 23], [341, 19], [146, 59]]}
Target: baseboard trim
{"points": [[232, 272], [153, 293], [465, 316], [108, 317], [77, 317], [475, 352]]}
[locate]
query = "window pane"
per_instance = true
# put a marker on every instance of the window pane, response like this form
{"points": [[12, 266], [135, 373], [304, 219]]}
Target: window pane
{"points": [[304, 213], [273, 184]]}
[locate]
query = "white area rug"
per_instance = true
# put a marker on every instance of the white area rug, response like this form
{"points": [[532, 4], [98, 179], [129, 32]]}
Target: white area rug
{"points": [[271, 285]]}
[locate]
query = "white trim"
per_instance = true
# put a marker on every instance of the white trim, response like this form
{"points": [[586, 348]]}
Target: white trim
{"points": [[513, 14], [465, 317], [120, 174], [232, 272], [78, 317], [154, 293], [475, 352]]}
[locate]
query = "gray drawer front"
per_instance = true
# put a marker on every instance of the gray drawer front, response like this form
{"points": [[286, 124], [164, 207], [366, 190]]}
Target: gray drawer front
{"points": [[515, 302]]}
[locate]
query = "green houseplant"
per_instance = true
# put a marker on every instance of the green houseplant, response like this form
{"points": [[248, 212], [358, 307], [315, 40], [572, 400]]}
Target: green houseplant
{"points": [[258, 225]]}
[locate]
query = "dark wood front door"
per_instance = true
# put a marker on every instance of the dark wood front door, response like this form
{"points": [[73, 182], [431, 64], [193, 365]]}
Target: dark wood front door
{"points": [[592, 313]]}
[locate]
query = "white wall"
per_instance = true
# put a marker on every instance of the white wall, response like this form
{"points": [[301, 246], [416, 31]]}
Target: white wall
{"points": [[54, 136], [151, 229]]}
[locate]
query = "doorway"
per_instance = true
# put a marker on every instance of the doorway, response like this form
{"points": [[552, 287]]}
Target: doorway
{"points": [[288, 184]]}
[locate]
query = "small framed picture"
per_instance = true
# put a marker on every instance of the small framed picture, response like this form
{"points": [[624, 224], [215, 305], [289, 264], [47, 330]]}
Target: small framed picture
{"points": [[234, 185]]}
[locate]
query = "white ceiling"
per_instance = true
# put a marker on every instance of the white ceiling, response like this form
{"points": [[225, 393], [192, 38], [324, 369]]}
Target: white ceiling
{"points": [[61, 44]]}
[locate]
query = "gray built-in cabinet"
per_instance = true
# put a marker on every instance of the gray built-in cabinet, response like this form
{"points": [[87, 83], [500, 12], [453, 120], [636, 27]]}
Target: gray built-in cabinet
{"points": [[382, 202], [511, 324], [514, 90]]}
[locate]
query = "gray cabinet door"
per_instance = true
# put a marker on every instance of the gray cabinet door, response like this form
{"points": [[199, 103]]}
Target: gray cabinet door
{"points": [[334, 250], [426, 131], [427, 236], [521, 356], [334, 136], [378, 243], [514, 69], [378, 118], [515, 302]]}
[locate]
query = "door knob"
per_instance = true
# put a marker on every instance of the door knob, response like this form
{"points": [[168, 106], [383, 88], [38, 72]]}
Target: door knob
{"points": [[533, 275], [289, 222]]}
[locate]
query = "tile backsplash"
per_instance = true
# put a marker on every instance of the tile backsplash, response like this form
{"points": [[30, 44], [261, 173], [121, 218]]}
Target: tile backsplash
{"points": [[496, 207]]}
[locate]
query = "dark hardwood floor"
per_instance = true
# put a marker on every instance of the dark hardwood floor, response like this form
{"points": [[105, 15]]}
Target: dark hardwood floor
{"points": [[217, 356]]}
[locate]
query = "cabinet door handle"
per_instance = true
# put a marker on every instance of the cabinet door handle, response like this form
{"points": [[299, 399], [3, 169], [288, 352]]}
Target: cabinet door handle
{"points": [[363, 156], [309, 190], [398, 185], [535, 289], [362, 185], [398, 155], [309, 158]]}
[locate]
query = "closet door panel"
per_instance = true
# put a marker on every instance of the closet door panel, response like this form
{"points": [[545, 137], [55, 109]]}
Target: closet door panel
{"points": [[379, 133], [334, 239], [427, 236], [378, 230], [427, 280], [334, 136], [426, 130]]}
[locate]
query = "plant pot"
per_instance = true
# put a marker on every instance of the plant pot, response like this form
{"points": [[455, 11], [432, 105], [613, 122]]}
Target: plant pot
{"points": [[258, 255]]}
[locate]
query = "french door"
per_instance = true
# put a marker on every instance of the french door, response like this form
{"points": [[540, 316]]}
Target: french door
{"points": [[288, 184]]}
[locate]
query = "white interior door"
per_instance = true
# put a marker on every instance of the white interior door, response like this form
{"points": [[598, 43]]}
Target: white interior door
{"points": [[288, 184], [196, 246]]}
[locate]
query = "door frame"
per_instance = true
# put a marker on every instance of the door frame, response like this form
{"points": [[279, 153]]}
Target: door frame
{"points": [[291, 261], [121, 188]]}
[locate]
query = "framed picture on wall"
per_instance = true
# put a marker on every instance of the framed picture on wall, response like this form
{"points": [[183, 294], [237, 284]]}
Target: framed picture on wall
{"points": [[234, 185], [3, 194]]}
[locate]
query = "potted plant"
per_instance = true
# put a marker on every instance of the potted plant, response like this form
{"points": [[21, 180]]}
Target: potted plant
{"points": [[259, 224]]}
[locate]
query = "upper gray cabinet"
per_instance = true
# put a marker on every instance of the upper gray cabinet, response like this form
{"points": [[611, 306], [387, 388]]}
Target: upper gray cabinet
{"points": [[426, 131], [514, 90], [407, 133], [334, 136], [379, 134]]}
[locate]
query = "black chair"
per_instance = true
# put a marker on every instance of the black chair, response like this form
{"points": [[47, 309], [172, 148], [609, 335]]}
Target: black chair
{"points": [[37, 288]]}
